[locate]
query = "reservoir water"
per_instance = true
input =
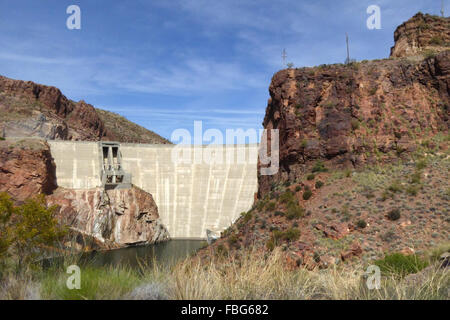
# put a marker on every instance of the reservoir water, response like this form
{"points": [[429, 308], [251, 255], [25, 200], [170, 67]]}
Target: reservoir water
{"points": [[164, 254]]}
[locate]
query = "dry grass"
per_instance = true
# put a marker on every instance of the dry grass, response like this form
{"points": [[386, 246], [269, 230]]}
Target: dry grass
{"points": [[253, 276]]}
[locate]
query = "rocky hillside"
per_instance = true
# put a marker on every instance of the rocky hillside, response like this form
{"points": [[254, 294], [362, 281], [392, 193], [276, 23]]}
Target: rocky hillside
{"points": [[30, 109], [127, 131], [364, 157]]}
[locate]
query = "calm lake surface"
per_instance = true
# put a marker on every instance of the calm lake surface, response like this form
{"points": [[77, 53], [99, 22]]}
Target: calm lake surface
{"points": [[164, 254]]}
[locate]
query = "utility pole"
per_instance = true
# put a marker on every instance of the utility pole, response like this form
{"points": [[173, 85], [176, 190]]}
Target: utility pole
{"points": [[284, 56], [348, 50]]}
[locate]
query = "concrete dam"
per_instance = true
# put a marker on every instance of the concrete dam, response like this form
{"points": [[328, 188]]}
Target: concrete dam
{"points": [[192, 194]]}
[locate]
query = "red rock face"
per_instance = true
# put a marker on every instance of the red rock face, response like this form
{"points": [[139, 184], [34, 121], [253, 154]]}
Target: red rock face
{"points": [[115, 218], [26, 168], [81, 118], [349, 115], [421, 32]]}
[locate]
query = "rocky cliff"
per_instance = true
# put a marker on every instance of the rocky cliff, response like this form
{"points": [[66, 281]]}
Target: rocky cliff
{"points": [[26, 168], [364, 157], [30, 109], [365, 112], [421, 33], [115, 218]]}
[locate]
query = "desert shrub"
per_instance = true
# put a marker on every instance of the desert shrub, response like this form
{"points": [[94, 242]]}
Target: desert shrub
{"points": [[401, 265], [310, 176], [319, 184], [2, 139], [412, 190], [279, 213], [304, 143], [395, 187], [26, 228], [319, 167], [415, 177], [294, 211], [298, 188], [361, 224], [421, 164], [247, 216], [436, 40], [286, 196], [307, 194], [355, 124], [233, 239], [394, 214], [271, 206], [291, 234], [429, 54], [372, 91]]}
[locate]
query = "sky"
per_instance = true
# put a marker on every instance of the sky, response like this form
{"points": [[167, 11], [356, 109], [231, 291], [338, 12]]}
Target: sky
{"points": [[167, 63]]}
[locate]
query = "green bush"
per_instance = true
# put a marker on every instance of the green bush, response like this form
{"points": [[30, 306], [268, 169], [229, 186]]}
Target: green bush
{"points": [[298, 188], [319, 167], [412, 190], [304, 143], [361, 224], [416, 177], [319, 184], [355, 124], [294, 211], [395, 187], [2, 139], [394, 214], [271, 206], [436, 40], [26, 227], [307, 194], [310, 176], [401, 265], [279, 213], [421, 164], [286, 196], [247, 216], [291, 234]]}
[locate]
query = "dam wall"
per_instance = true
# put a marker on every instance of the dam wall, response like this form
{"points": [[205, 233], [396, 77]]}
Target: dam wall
{"points": [[195, 187]]}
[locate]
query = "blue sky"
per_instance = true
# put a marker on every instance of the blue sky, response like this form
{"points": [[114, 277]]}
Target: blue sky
{"points": [[165, 63]]}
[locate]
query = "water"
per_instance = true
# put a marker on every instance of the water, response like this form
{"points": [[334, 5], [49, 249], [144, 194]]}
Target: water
{"points": [[164, 254]]}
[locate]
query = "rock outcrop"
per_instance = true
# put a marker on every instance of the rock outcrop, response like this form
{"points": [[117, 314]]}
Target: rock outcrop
{"points": [[420, 33], [26, 168], [28, 109], [115, 218], [349, 115]]}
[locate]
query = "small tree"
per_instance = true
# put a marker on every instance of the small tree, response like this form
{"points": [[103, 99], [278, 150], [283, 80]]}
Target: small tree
{"points": [[27, 228]]}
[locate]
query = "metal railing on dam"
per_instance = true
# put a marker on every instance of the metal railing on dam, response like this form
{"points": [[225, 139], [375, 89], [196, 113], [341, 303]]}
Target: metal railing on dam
{"points": [[195, 187]]}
